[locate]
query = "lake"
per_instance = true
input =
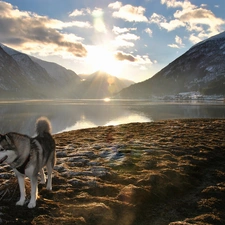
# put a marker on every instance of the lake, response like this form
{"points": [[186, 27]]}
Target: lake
{"points": [[65, 115]]}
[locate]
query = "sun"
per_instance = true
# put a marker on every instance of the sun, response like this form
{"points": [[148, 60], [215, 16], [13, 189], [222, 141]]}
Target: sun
{"points": [[101, 59]]}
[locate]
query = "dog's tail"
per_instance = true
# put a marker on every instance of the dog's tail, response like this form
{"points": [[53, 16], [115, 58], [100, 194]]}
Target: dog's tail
{"points": [[43, 125]]}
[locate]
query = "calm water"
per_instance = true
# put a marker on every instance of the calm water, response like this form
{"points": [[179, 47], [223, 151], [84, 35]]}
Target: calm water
{"points": [[20, 116]]}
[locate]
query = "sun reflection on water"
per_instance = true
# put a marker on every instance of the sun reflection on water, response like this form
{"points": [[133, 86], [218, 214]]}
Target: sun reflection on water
{"points": [[106, 99], [84, 123], [132, 118]]}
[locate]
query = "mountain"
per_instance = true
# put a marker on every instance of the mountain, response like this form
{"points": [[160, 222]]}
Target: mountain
{"points": [[33, 71], [49, 80], [24, 76], [66, 80], [101, 85], [57, 72], [201, 68], [13, 80]]}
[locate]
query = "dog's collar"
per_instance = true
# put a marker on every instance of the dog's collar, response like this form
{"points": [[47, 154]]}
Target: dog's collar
{"points": [[22, 168]]}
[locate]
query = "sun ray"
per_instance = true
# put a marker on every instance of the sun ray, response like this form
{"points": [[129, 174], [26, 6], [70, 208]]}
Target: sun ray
{"points": [[102, 59]]}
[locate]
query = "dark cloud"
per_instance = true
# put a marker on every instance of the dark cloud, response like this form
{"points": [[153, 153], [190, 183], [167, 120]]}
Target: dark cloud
{"points": [[22, 27], [122, 56]]}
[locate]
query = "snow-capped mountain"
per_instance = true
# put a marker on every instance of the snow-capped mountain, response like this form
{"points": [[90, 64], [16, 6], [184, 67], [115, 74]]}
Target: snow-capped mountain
{"points": [[47, 79], [57, 72], [13, 81], [201, 68], [24, 76], [33, 71]]}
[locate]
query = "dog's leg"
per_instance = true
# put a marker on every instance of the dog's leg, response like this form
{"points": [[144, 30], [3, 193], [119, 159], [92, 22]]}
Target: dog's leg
{"points": [[43, 177], [34, 191], [49, 170], [22, 189]]}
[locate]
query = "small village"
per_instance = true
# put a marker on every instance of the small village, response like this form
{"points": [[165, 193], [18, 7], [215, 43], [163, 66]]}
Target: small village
{"points": [[191, 96]]}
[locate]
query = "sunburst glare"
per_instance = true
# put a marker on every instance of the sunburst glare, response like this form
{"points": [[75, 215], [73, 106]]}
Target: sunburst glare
{"points": [[100, 58]]}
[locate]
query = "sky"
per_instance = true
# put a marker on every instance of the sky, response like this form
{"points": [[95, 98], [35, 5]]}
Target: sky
{"points": [[132, 39]]}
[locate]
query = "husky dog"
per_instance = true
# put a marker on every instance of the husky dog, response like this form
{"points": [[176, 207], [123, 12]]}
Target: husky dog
{"points": [[27, 156]]}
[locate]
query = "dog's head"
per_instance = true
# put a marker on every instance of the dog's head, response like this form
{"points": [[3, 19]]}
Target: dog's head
{"points": [[7, 150]]}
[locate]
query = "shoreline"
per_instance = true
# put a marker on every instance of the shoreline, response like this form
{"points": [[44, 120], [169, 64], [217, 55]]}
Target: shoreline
{"points": [[163, 172]]}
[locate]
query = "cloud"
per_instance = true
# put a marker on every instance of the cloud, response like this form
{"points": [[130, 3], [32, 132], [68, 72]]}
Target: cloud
{"points": [[120, 43], [122, 56], [178, 43], [128, 36], [194, 39], [81, 12], [203, 5], [125, 40], [186, 4], [178, 40], [21, 27], [115, 5], [128, 12], [57, 24], [139, 61], [172, 25], [118, 30], [173, 45], [198, 17], [192, 17], [149, 31], [81, 24], [77, 13], [161, 21], [156, 18], [97, 16], [143, 60], [72, 37]]}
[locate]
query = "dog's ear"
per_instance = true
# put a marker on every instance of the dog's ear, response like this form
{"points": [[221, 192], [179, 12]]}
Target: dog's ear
{"points": [[8, 139]]}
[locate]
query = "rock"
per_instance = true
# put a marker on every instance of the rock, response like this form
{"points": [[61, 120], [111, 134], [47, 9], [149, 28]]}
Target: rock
{"points": [[95, 212], [133, 194], [99, 171]]}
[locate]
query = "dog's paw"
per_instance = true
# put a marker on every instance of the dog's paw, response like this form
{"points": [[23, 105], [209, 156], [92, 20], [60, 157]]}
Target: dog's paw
{"points": [[31, 205], [20, 202]]}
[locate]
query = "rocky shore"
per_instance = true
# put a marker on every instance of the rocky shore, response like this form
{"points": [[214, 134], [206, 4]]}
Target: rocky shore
{"points": [[167, 172]]}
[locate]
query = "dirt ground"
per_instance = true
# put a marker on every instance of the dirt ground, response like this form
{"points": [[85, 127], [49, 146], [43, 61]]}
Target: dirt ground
{"points": [[158, 173]]}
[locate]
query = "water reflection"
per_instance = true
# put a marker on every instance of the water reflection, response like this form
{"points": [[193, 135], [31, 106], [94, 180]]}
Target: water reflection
{"points": [[80, 125], [133, 117], [20, 116]]}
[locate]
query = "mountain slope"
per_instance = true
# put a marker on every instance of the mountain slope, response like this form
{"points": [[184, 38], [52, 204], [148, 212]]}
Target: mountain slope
{"points": [[13, 80], [50, 79], [43, 79], [33, 71], [57, 72], [101, 85], [201, 68], [66, 80], [24, 76]]}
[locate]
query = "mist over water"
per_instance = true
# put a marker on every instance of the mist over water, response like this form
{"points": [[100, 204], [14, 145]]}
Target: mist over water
{"points": [[66, 115]]}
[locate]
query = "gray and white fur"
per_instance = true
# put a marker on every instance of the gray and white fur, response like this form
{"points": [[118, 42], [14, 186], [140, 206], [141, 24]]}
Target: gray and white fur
{"points": [[28, 156]]}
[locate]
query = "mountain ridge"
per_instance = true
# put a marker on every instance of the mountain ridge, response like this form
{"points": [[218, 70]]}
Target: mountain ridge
{"points": [[101, 85], [36, 78], [201, 68]]}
